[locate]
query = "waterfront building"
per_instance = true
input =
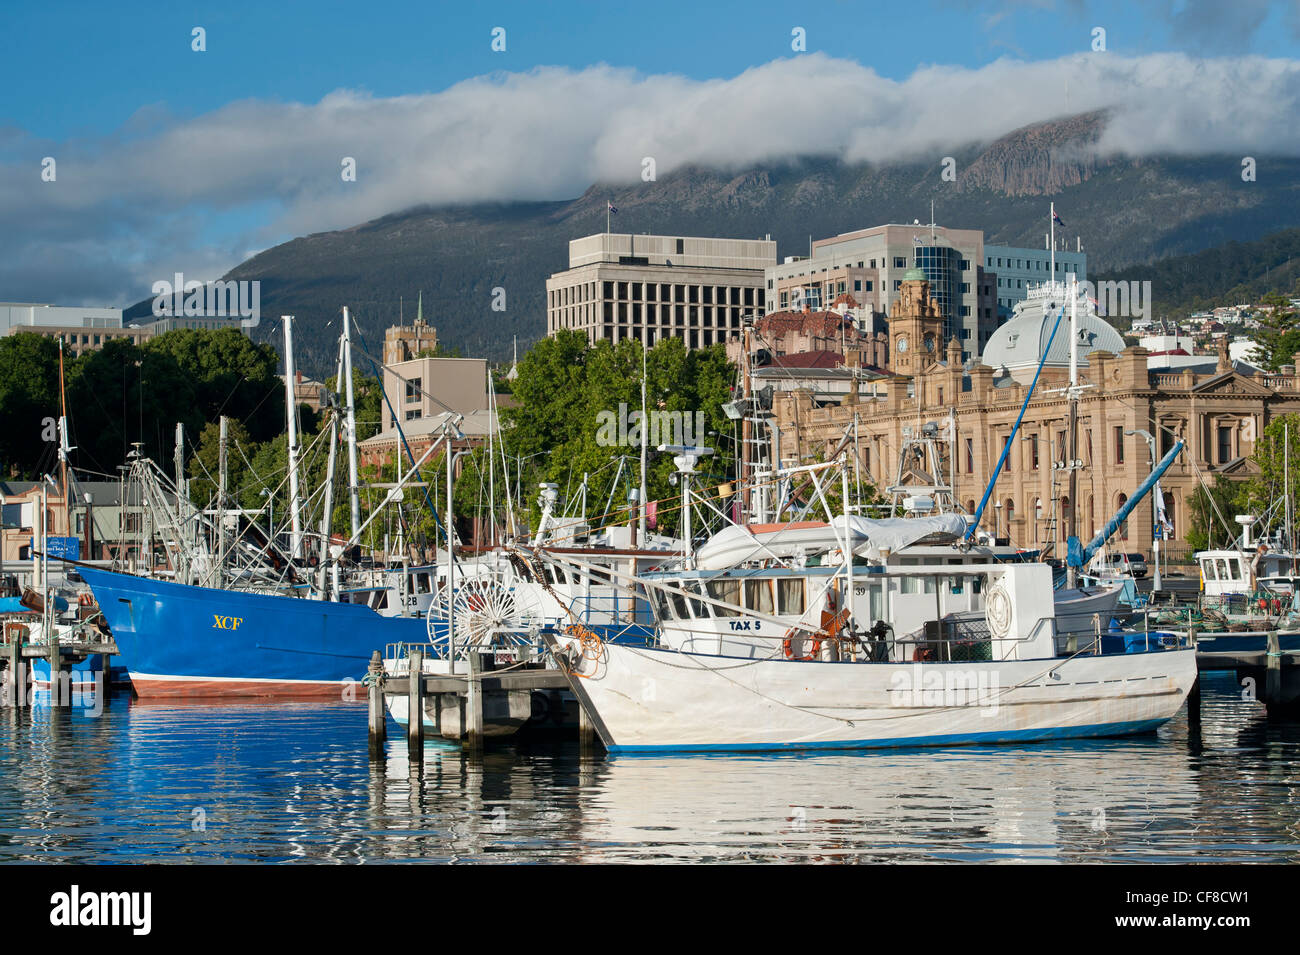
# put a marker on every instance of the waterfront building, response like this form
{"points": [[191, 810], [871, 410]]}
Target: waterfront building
{"points": [[1018, 269], [422, 392], [650, 287], [1218, 411], [869, 264], [90, 329], [107, 520]]}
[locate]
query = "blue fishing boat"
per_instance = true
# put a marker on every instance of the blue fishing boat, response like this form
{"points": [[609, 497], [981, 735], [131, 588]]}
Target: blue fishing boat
{"points": [[178, 640]]}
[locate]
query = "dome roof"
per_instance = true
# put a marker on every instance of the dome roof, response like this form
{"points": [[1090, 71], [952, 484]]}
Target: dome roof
{"points": [[1021, 341], [914, 275]]}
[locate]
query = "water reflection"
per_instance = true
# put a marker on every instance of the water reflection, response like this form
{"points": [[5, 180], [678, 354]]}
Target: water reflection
{"points": [[293, 782]]}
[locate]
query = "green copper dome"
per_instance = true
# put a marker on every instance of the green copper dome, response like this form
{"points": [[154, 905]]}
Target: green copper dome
{"points": [[914, 275]]}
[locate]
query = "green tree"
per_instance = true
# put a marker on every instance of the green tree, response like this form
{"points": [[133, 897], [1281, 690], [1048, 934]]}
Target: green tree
{"points": [[1279, 334], [230, 375], [29, 401], [122, 394]]}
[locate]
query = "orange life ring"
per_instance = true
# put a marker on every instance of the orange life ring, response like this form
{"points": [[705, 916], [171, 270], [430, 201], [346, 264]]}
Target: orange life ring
{"points": [[787, 646]]}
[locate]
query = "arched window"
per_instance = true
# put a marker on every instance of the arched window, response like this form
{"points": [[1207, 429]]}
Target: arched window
{"points": [[1011, 515], [1123, 528], [1038, 519]]}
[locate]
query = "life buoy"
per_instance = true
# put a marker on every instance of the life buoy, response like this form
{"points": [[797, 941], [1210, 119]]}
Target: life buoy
{"points": [[85, 599], [787, 646]]}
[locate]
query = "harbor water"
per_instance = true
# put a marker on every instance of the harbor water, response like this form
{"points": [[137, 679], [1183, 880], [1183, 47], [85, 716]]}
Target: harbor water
{"points": [[293, 783]]}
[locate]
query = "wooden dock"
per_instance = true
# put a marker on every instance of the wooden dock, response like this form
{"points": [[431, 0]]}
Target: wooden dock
{"points": [[1275, 673], [472, 707], [14, 655]]}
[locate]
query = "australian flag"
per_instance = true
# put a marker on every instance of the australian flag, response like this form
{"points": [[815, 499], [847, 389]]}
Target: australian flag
{"points": [[1057, 219]]}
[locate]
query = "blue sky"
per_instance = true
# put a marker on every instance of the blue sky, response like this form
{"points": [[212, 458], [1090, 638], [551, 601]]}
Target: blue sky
{"points": [[172, 160]]}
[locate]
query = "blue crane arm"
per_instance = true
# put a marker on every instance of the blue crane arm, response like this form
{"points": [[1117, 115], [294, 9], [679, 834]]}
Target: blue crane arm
{"points": [[1077, 556], [988, 491]]}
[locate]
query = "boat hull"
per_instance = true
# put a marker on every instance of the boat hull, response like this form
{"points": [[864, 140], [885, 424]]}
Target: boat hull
{"points": [[180, 641], [654, 700]]}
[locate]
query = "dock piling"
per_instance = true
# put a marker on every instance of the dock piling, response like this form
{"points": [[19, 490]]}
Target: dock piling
{"points": [[415, 711], [1273, 670], [474, 705], [16, 689], [378, 718], [60, 679]]}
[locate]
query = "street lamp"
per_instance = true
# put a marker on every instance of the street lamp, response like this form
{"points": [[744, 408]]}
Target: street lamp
{"points": [[1155, 520]]}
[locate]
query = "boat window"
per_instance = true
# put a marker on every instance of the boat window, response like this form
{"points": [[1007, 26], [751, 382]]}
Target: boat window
{"points": [[679, 606], [758, 596], [907, 585], [1207, 567], [1222, 568], [1234, 567], [789, 595], [727, 590], [423, 583], [698, 607], [662, 605], [381, 600]]}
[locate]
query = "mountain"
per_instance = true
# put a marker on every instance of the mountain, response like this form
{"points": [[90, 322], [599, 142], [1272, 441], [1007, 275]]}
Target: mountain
{"points": [[1235, 273], [1129, 213]]}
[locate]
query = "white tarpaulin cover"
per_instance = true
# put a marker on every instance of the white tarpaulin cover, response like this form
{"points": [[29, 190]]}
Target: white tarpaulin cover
{"points": [[743, 542]]}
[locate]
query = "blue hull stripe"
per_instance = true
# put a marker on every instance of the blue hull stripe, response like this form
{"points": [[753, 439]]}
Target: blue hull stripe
{"points": [[956, 739]]}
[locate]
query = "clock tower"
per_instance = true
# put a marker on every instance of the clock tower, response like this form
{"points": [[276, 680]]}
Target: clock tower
{"points": [[915, 326]]}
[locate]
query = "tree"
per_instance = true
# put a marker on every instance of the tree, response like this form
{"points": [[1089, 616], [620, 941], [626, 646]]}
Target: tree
{"points": [[1205, 529], [204, 467], [1278, 337], [29, 402], [230, 375], [122, 394]]}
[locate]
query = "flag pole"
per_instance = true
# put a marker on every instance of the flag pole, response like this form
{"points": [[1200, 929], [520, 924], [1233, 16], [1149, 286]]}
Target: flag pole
{"points": [[1052, 227]]}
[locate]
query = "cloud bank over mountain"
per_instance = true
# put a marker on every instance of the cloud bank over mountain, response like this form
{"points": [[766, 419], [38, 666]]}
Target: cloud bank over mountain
{"points": [[198, 194]]}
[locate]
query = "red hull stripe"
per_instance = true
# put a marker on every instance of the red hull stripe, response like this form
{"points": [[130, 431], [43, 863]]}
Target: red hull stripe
{"points": [[156, 689]]}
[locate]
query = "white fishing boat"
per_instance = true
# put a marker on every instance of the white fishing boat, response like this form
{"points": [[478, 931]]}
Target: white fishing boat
{"points": [[790, 665]]}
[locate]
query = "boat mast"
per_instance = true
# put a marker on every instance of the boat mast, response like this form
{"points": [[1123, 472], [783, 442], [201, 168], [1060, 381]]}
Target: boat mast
{"points": [[492, 480], [1072, 572], [220, 567], [350, 427], [746, 432], [63, 433], [1286, 481], [645, 434], [291, 411]]}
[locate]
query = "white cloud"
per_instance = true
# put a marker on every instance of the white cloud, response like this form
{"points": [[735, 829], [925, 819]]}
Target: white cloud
{"points": [[170, 193]]}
